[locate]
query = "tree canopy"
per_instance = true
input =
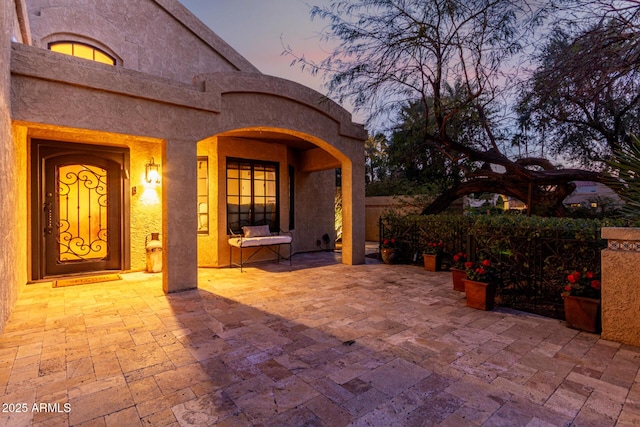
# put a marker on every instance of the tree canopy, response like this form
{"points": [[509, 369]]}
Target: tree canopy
{"points": [[583, 100], [457, 63]]}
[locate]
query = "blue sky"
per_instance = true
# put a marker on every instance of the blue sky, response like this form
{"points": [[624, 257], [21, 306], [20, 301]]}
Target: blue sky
{"points": [[257, 29]]}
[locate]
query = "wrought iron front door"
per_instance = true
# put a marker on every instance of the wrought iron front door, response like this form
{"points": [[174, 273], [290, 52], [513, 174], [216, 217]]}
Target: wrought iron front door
{"points": [[81, 218]]}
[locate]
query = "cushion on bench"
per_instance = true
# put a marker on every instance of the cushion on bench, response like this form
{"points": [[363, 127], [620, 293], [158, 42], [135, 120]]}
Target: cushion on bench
{"points": [[256, 230], [245, 242]]}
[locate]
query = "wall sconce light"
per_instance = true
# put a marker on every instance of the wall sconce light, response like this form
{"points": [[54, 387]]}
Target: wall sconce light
{"points": [[152, 172]]}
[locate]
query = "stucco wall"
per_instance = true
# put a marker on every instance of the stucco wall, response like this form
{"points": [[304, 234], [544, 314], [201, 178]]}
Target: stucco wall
{"points": [[144, 42], [315, 210], [146, 204], [378, 206], [208, 243], [13, 214], [620, 297]]}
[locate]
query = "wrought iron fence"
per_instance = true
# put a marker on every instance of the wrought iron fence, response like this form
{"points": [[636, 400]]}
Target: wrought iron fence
{"points": [[532, 263], [533, 266], [413, 235]]}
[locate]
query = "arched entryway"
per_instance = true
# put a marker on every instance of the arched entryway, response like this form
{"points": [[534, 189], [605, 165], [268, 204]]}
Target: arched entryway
{"points": [[265, 175], [263, 113], [260, 113]]}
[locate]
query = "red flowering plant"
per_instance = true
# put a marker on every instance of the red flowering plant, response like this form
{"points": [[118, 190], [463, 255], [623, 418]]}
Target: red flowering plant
{"points": [[389, 243], [459, 261], [583, 284], [484, 271], [433, 248]]}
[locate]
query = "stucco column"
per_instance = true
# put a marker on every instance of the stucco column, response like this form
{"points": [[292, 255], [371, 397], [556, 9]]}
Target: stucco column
{"points": [[353, 225], [179, 216], [620, 291], [10, 216]]}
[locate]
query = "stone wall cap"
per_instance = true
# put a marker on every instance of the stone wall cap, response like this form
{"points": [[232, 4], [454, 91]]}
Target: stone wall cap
{"points": [[621, 233]]}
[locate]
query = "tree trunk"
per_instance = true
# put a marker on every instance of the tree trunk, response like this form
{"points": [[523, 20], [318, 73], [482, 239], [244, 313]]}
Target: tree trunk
{"points": [[546, 194]]}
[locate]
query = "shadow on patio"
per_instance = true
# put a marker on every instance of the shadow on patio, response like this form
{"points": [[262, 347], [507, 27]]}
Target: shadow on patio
{"points": [[322, 344]]}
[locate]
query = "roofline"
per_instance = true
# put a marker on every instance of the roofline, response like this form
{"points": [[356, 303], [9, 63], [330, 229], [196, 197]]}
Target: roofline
{"points": [[23, 21], [206, 34]]}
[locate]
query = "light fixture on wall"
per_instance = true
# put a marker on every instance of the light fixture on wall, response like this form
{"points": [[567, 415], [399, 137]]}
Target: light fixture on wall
{"points": [[152, 172]]}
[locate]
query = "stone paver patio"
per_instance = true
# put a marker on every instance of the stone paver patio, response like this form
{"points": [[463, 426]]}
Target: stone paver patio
{"points": [[322, 345]]}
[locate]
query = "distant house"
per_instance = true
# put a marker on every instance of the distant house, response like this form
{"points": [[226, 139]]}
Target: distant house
{"points": [[124, 118], [589, 194]]}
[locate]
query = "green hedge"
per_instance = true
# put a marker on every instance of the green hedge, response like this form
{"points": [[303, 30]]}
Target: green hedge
{"points": [[533, 254], [419, 230]]}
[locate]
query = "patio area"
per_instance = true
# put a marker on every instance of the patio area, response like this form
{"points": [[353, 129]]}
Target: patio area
{"points": [[316, 344]]}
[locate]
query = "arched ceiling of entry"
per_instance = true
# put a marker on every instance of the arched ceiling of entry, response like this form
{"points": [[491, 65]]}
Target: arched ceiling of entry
{"points": [[272, 135], [296, 140]]}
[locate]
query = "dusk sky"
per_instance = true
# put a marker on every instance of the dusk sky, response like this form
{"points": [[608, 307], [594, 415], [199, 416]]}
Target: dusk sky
{"points": [[258, 29]]}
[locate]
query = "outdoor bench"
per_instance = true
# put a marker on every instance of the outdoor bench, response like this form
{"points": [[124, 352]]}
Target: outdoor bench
{"points": [[260, 237]]}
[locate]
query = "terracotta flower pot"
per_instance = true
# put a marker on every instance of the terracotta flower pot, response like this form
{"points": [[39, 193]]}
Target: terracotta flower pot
{"points": [[458, 277], [582, 313], [480, 295], [432, 262], [389, 255]]}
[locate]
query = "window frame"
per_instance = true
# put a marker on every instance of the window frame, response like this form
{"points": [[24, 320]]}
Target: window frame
{"points": [[73, 44], [251, 220], [292, 200], [202, 172]]}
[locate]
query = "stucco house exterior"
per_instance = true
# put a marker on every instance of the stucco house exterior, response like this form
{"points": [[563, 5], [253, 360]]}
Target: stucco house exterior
{"points": [[96, 97]]}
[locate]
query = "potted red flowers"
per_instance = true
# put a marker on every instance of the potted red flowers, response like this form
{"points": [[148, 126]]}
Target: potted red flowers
{"points": [[458, 273], [582, 301], [389, 251], [480, 286], [432, 256]]}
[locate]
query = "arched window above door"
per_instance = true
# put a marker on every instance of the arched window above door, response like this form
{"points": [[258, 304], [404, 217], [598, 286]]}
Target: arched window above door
{"points": [[82, 50]]}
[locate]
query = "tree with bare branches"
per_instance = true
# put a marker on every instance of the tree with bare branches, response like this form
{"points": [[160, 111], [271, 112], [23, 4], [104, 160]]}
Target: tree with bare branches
{"points": [[583, 101], [460, 60]]}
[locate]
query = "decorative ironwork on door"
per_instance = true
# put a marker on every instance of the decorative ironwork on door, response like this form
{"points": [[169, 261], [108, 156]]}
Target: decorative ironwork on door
{"points": [[78, 216], [83, 213]]}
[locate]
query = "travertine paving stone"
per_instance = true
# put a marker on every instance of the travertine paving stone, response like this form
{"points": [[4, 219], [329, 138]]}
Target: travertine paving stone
{"points": [[315, 344]]}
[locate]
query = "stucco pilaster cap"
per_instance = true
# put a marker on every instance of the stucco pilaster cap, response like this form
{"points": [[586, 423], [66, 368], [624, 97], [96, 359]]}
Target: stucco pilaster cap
{"points": [[621, 233]]}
